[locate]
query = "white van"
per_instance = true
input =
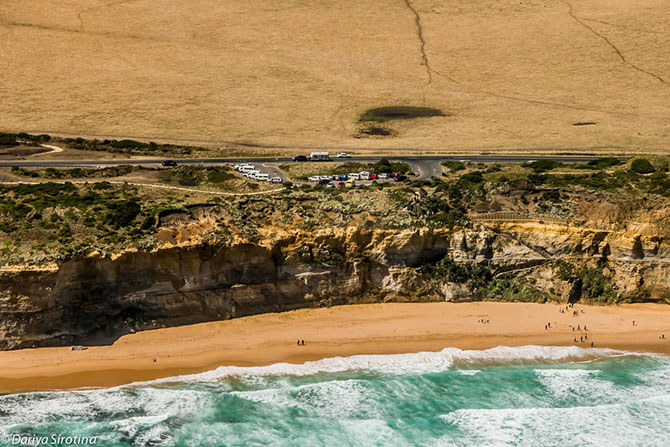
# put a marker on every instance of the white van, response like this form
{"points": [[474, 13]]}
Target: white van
{"points": [[247, 168], [354, 175], [364, 175], [262, 177]]}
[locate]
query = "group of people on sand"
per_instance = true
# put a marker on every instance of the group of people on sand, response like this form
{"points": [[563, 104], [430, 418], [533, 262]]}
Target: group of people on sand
{"points": [[575, 313], [483, 321], [301, 342]]}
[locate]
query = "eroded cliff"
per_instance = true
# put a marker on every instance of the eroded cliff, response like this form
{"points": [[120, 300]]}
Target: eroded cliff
{"points": [[95, 298]]}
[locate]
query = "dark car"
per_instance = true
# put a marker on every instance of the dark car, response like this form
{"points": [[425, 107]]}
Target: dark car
{"points": [[400, 178], [300, 158], [169, 163], [324, 181]]}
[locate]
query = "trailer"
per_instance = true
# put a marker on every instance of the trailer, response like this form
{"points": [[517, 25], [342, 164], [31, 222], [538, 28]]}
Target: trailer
{"points": [[319, 156]]}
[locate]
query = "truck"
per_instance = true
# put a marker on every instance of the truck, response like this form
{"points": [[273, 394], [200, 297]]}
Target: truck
{"points": [[319, 156]]}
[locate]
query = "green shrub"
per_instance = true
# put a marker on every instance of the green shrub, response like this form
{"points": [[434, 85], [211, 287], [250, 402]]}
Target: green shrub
{"points": [[642, 166], [121, 213], [454, 165], [473, 177], [604, 162], [543, 165]]}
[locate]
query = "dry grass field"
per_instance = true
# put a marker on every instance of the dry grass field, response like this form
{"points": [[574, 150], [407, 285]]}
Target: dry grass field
{"points": [[507, 75]]}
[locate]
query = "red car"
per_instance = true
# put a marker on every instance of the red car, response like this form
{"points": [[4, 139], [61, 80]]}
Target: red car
{"points": [[394, 175], [373, 176], [340, 185]]}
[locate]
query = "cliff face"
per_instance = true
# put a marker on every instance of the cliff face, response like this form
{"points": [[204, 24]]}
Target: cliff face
{"points": [[94, 299]]}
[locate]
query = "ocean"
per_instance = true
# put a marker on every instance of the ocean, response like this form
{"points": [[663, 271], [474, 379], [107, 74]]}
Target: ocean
{"points": [[522, 396]]}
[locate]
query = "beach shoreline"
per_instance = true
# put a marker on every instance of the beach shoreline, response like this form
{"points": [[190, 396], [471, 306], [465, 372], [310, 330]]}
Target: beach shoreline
{"points": [[366, 329]]}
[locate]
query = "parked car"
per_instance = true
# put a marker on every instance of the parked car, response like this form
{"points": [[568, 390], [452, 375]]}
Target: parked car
{"points": [[314, 178], [170, 163], [262, 177], [393, 175], [340, 184], [342, 177], [343, 155], [364, 175], [382, 176], [300, 158], [373, 176], [325, 177], [400, 178], [330, 185], [354, 176], [335, 177], [324, 181]]}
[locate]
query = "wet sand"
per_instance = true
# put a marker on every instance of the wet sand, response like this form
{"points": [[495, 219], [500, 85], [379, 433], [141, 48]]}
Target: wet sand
{"points": [[389, 328]]}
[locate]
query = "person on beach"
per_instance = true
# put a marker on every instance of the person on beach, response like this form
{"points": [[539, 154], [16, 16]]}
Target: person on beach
{"points": [[298, 342], [585, 328], [303, 342], [581, 339], [591, 344], [579, 328], [633, 322], [574, 339]]}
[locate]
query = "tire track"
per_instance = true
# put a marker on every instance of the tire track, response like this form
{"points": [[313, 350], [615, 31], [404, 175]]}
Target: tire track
{"points": [[610, 44], [93, 8], [422, 41]]}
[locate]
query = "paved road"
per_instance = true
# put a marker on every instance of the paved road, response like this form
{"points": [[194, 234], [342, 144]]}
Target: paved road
{"points": [[210, 161], [424, 165]]}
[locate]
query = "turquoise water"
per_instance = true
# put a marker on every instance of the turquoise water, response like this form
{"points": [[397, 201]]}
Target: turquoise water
{"points": [[526, 396]]}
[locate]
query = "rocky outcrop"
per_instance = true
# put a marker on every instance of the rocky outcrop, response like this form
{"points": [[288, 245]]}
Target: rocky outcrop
{"points": [[95, 299]]}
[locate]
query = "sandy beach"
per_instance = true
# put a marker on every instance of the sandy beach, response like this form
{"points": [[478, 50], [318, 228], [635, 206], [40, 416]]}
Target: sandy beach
{"points": [[339, 331]]}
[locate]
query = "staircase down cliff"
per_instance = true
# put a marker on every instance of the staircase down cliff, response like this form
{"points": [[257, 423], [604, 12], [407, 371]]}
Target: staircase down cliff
{"points": [[95, 299]]}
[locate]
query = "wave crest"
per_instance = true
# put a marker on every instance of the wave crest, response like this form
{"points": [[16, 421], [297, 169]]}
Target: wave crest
{"points": [[399, 364]]}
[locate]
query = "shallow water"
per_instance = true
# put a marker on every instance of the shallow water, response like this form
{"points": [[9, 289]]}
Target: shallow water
{"points": [[525, 396]]}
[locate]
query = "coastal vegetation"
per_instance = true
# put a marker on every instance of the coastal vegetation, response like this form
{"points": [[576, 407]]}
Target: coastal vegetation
{"points": [[130, 147], [56, 221]]}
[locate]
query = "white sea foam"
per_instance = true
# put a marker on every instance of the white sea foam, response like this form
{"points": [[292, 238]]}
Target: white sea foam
{"points": [[331, 399], [154, 404], [399, 364], [469, 372], [640, 423]]}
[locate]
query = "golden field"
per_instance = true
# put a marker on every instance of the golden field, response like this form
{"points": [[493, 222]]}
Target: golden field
{"points": [[509, 75]]}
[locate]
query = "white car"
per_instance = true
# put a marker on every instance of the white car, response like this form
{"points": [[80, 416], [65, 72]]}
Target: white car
{"points": [[364, 175], [276, 180], [325, 177], [343, 155], [314, 178], [382, 176], [354, 176]]}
